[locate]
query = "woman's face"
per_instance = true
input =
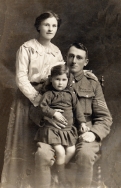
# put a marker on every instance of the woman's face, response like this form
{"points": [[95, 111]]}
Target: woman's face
{"points": [[48, 28]]}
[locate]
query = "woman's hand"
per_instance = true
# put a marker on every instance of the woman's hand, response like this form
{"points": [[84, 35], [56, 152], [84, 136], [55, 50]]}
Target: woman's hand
{"points": [[56, 123], [36, 101], [59, 117], [89, 73]]}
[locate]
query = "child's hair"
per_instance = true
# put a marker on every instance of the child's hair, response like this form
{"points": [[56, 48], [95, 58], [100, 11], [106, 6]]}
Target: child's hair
{"points": [[59, 70], [55, 71]]}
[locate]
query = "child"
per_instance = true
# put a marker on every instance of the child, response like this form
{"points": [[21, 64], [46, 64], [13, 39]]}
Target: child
{"points": [[60, 97]]}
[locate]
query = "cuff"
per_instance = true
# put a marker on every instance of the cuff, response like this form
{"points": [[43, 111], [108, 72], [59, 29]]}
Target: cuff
{"points": [[97, 138]]}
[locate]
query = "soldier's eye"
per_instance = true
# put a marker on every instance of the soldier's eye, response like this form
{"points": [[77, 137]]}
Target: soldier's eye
{"points": [[79, 57], [71, 55]]}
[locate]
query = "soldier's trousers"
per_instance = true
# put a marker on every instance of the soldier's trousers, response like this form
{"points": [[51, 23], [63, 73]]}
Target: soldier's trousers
{"points": [[86, 154], [85, 157]]}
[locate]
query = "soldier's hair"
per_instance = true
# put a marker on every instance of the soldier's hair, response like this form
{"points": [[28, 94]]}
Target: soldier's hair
{"points": [[59, 70], [44, 16], [79, 46]]}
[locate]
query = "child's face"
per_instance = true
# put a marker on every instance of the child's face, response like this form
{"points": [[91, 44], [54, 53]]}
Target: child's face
{"points": [[59, 82]]}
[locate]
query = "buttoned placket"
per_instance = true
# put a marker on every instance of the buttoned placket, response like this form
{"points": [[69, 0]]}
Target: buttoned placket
{"points": [[47, 55], [46, 65], [61, 95], [71, 84]]}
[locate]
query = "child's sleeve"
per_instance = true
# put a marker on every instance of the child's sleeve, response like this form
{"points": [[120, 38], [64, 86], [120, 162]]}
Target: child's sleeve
{"points": [[45, 105]]}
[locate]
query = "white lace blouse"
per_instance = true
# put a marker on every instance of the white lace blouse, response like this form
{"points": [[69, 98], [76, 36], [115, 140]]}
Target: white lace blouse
{"points": [[33, 64]]}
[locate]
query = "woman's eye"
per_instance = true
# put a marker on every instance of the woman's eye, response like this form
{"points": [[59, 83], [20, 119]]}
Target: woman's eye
{"points": [[46, 24], [55, 25]]}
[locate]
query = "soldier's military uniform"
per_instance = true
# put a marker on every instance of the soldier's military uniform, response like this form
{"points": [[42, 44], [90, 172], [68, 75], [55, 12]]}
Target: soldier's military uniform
{"points": [[90, 95]]}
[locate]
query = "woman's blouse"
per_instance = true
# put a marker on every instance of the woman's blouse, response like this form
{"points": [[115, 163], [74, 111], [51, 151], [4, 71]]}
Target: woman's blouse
{"points": [[33, 64]]}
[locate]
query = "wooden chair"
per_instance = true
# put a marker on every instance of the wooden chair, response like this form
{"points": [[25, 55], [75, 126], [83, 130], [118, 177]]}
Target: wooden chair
{"points": [[97, 177]]}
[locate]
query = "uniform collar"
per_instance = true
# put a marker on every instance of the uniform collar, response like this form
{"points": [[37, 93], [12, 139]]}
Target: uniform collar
{"points": [[79, 76], [82, 82], [75, 78], [37, 46]]}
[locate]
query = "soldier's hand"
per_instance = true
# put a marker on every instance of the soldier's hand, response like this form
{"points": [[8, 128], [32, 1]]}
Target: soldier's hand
{"points": [[88, 137], [84, 128]]}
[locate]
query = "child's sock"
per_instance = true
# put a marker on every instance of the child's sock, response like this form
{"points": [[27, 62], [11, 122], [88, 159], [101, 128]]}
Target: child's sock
{"points": [[61, 173]]}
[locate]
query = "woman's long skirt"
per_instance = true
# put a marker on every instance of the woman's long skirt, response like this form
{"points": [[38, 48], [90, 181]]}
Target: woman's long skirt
{"points": [[18, 168]]}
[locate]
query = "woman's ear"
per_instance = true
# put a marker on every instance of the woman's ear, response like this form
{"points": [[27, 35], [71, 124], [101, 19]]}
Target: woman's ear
{"points": [[49, 78], [65, 58]]}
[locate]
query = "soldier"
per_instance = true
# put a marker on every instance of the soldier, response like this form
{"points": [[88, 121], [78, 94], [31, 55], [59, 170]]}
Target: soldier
{"points": [[98, 118]]}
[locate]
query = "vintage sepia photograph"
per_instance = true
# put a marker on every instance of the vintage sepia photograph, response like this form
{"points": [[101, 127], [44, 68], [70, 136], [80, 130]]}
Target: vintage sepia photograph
{"points": [[60, 88]]}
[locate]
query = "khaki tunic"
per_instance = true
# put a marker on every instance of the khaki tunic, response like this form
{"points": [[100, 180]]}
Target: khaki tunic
{"points": [[90, 95]]}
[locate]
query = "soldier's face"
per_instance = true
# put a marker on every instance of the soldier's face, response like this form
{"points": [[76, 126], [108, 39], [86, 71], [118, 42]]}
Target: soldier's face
{"points": [[76, 59]]}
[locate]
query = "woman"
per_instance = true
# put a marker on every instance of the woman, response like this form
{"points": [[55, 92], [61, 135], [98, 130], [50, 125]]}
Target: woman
{"points": [[34, 60]]}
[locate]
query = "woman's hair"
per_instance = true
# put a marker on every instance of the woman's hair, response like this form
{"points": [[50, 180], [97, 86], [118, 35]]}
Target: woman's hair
{"points": [[59, 70], [44, 16], [80, 46]]}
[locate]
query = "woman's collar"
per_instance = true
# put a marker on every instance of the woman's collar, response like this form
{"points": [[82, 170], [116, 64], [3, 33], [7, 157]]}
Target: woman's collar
{"points": [[37, 46]]}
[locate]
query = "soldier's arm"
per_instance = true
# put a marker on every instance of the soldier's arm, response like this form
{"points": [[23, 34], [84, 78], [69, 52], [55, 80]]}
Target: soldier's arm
{"points": [[101, 116], [77, 111]]}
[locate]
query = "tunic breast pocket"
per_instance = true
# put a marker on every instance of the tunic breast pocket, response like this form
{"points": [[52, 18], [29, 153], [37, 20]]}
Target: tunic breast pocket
{"points": [[86, 97]]}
